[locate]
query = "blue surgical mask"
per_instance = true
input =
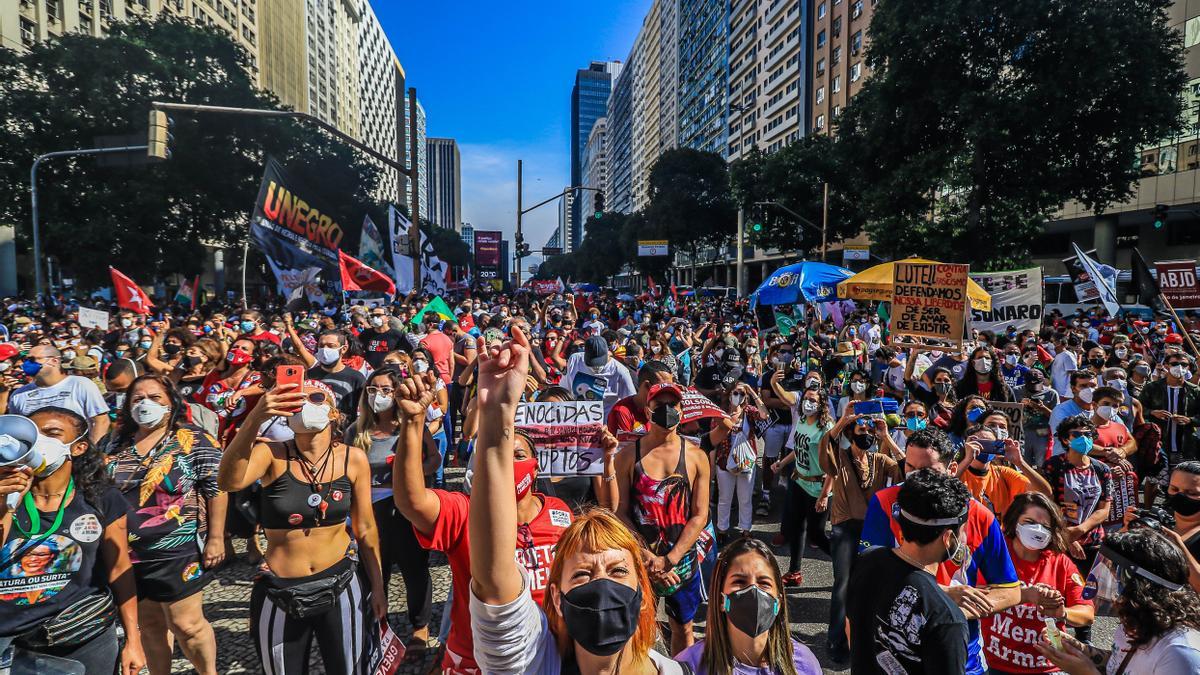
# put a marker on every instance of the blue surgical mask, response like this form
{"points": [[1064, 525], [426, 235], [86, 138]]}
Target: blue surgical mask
{"points": [[31, 367], [1082, 444], [974, 414], [247, 326], [916, 423]]}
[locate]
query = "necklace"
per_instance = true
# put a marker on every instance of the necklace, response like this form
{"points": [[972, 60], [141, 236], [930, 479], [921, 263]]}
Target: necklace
{"points": [[909, 560], [35, 518], [313, 473]]}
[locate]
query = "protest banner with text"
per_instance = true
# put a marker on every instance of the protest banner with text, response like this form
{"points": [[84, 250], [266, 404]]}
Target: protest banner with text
{"points": [[568, 436], [1016, 300], [1177, 281], [929, 301]]}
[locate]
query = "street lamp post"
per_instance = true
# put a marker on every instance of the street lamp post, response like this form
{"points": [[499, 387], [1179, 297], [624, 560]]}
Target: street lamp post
{"points": [[741, 233], [33, 199]]}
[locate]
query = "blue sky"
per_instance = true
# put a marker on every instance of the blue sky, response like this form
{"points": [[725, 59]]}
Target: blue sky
{"points": [[497, 77]]}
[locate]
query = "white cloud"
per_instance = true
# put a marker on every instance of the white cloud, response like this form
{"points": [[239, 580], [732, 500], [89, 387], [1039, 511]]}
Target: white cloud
{"points": [[489, 188]]}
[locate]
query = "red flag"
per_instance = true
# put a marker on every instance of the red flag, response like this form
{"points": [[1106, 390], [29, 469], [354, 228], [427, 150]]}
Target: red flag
{"points": [[129, 295], [652, 286], [674, 293], [357, 276]]}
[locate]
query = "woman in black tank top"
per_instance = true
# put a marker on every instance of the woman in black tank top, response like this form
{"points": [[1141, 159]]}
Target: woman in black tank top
{"points": [[313, 487]]}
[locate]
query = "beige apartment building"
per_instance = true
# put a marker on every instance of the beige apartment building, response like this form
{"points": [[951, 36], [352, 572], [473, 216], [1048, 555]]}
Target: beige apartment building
{"points": [[767, 78]]}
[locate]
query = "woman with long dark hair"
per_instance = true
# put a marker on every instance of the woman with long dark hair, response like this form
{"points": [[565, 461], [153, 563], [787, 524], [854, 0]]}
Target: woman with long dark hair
{"points": [[748, 619], [167, 470], [65, 552], [233, 389], [983, 377]]}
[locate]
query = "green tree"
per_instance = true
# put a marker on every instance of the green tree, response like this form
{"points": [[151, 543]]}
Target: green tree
{"points": [[796, 177], [690, 202], [447, 244], [600, 255], [981, 117], [152, 220]]}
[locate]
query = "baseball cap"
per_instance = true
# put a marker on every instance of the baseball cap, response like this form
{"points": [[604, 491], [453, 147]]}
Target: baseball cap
{"points": [[662, 388], [8, 350], [83, 362], [1173, 339], [595, 352]]}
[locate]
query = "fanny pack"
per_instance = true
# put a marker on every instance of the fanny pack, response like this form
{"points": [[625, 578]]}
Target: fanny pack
{"points": [[311, 597], [74, 625]]}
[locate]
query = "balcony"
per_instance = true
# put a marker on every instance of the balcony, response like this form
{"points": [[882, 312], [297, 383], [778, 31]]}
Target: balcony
{"points": [[789, 48]]}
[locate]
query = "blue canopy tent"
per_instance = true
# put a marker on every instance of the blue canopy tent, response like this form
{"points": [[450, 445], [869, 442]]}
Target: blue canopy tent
{"points": [[800, 283]]}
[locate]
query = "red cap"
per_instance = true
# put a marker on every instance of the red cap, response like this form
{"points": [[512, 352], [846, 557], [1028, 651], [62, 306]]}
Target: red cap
{"points": [[661, 388], [1173, 339], [8, 350]]}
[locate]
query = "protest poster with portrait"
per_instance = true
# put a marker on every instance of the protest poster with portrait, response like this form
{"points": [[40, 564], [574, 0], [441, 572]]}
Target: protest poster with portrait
{"points": [[568, 435], [929, 302]]}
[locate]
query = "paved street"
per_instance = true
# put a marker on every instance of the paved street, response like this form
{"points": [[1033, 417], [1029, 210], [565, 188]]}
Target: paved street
{"points": [[227, 601]]}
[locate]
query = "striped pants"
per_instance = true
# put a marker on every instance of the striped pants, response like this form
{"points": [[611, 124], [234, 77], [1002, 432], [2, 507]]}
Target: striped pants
{"points": [[283, 642]]}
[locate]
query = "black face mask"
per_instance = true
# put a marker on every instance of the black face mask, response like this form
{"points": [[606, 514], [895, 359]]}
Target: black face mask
{"points": [[751, 610], [665, 416], [192, 361], [602, 615], [1183, 504], [942, 388], [1097, 362], [864, 442], [171, 348]]}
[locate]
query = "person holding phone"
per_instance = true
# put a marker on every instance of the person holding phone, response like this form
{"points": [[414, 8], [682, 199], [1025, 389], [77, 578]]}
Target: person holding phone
{"points": [[993, 484]]}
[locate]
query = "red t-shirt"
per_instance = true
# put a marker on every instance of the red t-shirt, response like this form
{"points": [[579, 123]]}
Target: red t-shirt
{"points": [[1009, 636], [213, 393], [450, 536], [265, 336], [1112, 434], [627, 418], [441, 347]]}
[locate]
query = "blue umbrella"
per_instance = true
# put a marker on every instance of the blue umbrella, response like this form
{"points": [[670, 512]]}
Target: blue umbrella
{"points": [[801, 282]]}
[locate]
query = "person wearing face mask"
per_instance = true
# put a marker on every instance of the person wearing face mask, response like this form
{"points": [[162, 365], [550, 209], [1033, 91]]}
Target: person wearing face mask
{"points": [[916, 418], [311, 485], [1083, 491], [1038, 402], [858, 384], [1173, 403], [1013, 370], [983, 378], [900, 620], [967, 413], [377, 431], [1115, 446], [734, 457], [440, 518], [663, 488], [346, 383], [166, 469], [64, 548], [1051, 588], [167, 347], [934, 387], [628, 419], [993, 484], [380, 338], [51, 386], [1083, 391], [1066, 361], [232, 390], [198, 360], [748, 619], [592, 374], [808, 491], [598, 615], [250, 324]]}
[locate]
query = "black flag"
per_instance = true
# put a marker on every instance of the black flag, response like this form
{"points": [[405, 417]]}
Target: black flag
{"points": [[1147, 287]]}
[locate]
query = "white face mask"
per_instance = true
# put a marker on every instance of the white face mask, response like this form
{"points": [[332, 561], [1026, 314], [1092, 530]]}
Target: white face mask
{"points": [[809, 407], [126, 323], [1011, 359], [54, 453], [313, 417], [736, 399], [381, 403], [1086, 394], [420, 366], [654, 349], [1177, 371], [858, 387], [377, 321], [148, 414], [1120, 353], [5, 365], [327, 356], [983, 365], [1106, 412], [1001, 434], [1033, 536]]}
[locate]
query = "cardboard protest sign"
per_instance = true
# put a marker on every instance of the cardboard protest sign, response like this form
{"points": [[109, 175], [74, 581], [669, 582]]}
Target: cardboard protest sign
{"points": [[93, 318], [568, 436], [929, 300], [1016, 300], [1016, 418]]}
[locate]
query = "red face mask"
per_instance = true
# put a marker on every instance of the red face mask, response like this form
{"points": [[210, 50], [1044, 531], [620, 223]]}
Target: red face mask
{"points": [[523, 475], [238, 357]]}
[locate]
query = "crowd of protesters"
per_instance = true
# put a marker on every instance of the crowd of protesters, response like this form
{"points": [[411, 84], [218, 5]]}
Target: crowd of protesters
{"points": [[981, 502]]}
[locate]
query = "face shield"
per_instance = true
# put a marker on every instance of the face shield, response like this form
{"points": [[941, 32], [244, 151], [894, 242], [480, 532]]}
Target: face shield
{"points": [[1107, 579]]}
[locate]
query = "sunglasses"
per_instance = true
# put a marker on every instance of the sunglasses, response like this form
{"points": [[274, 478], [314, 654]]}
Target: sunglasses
{"points": [[1079, 433], [913, 413], [386, 391], [317, 397]]}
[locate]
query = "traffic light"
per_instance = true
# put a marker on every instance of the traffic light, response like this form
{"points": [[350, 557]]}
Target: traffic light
{"points": [[1160, 216], [757, 227], [158, 143], [598, 204], [522, 250]]}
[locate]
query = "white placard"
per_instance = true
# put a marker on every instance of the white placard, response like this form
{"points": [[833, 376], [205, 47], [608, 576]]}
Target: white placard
{"points": [[93, 318]]}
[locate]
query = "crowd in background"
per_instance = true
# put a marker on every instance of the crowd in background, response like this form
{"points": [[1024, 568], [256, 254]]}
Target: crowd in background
{"points": [[981, 503]]}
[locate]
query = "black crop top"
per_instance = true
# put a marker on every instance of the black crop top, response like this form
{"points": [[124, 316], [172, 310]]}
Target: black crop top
{"points": [[289, 503]]}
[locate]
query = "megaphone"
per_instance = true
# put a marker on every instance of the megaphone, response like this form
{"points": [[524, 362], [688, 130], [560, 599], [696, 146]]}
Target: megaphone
{"points": [[18, 448]]}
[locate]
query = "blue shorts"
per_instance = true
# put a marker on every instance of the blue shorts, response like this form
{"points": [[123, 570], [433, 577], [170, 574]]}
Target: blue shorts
{"points": [[683, 603]]}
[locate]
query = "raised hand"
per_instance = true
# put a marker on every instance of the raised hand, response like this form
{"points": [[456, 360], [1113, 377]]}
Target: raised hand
{"points": [[414, 395], [502, 371], [282, 401]]}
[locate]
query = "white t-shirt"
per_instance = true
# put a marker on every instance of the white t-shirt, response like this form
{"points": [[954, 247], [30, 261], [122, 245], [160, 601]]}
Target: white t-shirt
{"points": [[74, 393], [583, 382], [1060, 372], [515, 638], [1176, 651]]}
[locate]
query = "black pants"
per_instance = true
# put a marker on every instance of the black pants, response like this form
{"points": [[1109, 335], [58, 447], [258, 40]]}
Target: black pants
{"points": [[454, 412], [398, 545], [805, 522], [98, 655], [283, 642], [843, 549]]}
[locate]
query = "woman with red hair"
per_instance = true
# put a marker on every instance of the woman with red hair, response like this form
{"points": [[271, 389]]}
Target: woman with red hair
{"points": [[598, 614]]}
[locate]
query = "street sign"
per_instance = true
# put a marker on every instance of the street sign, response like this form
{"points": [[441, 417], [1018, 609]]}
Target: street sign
{"points": [[551, 250], [653, 247], [854, 252]]}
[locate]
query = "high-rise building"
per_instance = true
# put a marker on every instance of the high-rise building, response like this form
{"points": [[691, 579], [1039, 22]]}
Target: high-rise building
{"points": [[380, 91], [566, 219], [25, 22], [589, 99], [595, 165], [444, 193], [768, 74], [422, 159], [703, 75], [839, 68], [468, 235], [620, 141], [655, 53]]}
